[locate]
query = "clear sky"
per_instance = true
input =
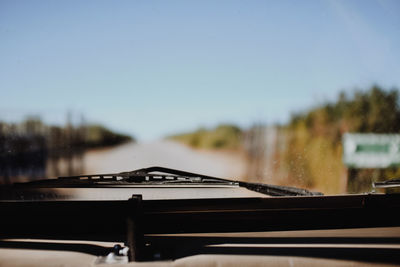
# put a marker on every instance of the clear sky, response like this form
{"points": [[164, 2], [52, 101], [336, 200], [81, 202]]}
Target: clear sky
{"points": [[152, 68]]}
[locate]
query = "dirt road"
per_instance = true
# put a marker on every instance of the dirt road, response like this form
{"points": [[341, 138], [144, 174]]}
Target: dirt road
{"points": [[170, 154]]}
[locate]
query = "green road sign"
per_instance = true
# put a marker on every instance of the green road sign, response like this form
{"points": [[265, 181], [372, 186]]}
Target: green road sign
{"points": [[371, 150]]}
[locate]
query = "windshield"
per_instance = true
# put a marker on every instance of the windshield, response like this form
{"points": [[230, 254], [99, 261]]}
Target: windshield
{"points": [[265, 92]]}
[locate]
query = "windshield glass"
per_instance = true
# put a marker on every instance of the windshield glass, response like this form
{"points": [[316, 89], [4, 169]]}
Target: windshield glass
{"points": [[274, 92]]}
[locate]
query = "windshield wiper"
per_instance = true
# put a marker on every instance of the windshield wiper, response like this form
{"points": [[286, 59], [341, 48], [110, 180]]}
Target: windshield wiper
{"points": [[167, 175], [145, 176], [164, 176], [387, 184]]}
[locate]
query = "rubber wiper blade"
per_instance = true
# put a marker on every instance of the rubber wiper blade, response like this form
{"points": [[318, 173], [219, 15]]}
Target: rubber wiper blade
{"points": [[73, 181], [278, 190]]}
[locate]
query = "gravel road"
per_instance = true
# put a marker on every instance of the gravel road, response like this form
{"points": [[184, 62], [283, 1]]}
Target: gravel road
{"points": [[169, 154]]}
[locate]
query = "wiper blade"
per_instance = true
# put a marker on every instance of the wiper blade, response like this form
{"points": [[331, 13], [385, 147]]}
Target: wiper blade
{"points": [[278, 190], [171, 175], [145, 176], [272, 190], [387, 184], [165, 176]]}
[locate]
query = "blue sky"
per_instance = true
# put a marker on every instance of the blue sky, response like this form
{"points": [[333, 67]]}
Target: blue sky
{"points": [[152, 68]]}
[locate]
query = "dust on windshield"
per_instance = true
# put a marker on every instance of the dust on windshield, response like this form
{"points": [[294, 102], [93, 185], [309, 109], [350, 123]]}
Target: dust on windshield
{"points": [[282, 93]]}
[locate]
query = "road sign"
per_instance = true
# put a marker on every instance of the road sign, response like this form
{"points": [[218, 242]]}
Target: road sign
{"points": [[371, 150]]}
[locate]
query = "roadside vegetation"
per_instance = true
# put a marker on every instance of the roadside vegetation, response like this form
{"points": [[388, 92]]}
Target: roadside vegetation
{"points": [[26, 134], [100, 136], [314, 152], [34, 149], [307, 151], [224, 136]]}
